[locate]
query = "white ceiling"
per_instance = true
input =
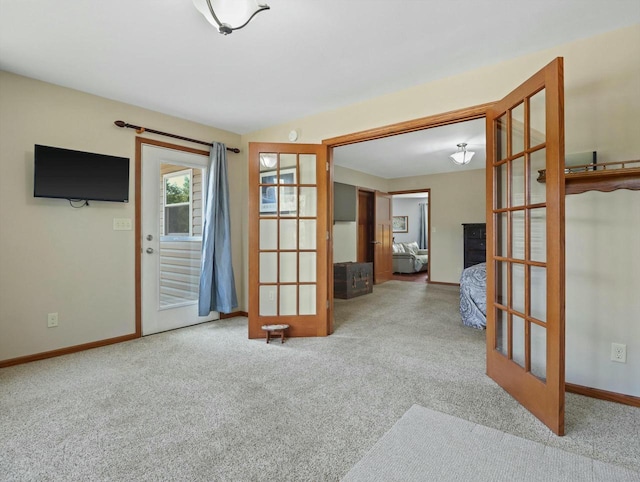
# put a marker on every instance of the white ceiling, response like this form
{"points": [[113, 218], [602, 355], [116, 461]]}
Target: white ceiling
{"points": [[299, 58], [416, 153]]}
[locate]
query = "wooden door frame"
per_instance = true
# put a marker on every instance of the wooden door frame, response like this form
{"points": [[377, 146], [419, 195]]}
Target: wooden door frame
{"points": [[437, 120], [428, 191]]}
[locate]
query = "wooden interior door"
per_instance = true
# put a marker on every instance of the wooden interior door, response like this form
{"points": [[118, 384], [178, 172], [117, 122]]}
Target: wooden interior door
{"points": [[525, 248], [365, 226], [383, 261], [288, 238]]}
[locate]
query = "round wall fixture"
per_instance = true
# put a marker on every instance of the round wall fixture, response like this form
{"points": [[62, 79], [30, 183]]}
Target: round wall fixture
{"points": [[293, 135]]}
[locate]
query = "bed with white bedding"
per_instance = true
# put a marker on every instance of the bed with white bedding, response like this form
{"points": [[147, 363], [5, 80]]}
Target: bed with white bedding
{"points": [[473, 296]]}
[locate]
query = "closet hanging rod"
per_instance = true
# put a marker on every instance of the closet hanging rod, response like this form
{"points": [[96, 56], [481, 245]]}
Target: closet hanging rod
{"points": [[140, 130]]}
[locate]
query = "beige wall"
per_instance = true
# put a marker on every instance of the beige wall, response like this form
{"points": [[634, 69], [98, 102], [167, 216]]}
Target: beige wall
{"points": [[456, 198], [54, 258], [603, 288], [602, 99], [345, 233]]}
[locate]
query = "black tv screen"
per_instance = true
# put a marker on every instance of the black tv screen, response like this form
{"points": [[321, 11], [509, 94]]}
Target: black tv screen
{"points": [[77, 175]]}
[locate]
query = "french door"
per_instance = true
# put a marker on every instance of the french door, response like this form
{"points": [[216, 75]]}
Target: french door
{"points": [[525, 249], [172, 183], [288, 238]]}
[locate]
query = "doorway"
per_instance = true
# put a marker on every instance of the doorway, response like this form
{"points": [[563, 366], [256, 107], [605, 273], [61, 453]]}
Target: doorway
{"points": [[513, 153], [411, 235], [408, 163], [169, 233]]}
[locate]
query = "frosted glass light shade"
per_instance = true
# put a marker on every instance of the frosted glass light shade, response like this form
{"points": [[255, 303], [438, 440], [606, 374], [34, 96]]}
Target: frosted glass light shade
{"points": [[463, 156], [229, 15], [268, 161]]}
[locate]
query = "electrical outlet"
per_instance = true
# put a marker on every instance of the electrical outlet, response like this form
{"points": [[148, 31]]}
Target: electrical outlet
{"points": [[619, 352], [52, 320]]}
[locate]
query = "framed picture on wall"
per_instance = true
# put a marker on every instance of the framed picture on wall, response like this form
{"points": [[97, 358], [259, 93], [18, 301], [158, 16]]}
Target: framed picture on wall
{"points": [[400, 224], [273, 188]]}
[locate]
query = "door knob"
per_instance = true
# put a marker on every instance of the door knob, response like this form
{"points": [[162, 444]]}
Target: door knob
{"points": [[149, 250]]}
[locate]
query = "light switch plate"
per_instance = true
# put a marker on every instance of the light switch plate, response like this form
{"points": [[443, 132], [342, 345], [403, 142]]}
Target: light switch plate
{"points": [[122, 224]]}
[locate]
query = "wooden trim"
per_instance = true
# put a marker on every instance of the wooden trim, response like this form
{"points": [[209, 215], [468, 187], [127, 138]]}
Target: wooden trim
{"points": [[329, 258], [224, 316], [597, 177], [66, 351], [442, 283], [446, 118], [367, 189], [603, 181], [168, 145], [410, 191], [603, 394], [138, 236]]}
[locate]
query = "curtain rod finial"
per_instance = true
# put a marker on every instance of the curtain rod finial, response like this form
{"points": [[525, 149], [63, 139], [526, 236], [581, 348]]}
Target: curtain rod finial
{"points": [[120, 123]]}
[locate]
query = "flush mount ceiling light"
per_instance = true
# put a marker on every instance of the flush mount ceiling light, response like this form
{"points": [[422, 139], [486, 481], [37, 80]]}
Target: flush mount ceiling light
{"points": [[463, 156], [229, 12]]}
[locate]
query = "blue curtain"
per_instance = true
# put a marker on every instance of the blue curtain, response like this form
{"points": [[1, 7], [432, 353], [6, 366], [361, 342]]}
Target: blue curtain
{"points": [[217, 283], [423, 240]]}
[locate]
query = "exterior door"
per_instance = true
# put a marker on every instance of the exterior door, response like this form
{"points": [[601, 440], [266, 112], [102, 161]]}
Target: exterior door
{"points": [[172, 180], [525, 249], [383, 261], [288, 238]]}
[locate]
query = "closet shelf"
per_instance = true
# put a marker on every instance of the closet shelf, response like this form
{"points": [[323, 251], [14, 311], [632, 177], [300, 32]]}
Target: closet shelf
{"points": [[605, 177]]}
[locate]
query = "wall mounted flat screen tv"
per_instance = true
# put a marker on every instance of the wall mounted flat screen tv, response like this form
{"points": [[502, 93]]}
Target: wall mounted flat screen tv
{"points": [[81, 176], [344, 202]]}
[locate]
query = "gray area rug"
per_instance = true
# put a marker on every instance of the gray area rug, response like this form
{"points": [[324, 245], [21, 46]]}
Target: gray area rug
{"points": [[426, 445], [206, 403]]}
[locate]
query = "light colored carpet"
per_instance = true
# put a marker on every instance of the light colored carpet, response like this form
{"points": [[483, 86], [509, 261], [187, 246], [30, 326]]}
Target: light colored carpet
{"points": [[428, 445], [206, 403]]}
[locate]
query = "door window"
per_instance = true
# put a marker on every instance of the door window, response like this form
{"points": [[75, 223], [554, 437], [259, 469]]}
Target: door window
{"points": [[177, 206]]}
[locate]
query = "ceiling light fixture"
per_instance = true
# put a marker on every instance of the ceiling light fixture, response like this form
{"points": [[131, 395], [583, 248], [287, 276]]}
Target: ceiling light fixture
{"points": [[268, 160], [230, 12], [463, 156]]}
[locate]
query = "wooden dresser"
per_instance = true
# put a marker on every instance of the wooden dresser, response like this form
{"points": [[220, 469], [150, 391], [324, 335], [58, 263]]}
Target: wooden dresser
{"points": [[475, 243]]}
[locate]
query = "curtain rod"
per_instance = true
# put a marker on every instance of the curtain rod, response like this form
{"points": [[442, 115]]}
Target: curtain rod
{"points": [[140, 130]]}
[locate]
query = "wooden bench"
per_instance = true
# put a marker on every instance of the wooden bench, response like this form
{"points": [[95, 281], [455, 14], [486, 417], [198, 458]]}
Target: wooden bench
{"points": [[275, 330]]}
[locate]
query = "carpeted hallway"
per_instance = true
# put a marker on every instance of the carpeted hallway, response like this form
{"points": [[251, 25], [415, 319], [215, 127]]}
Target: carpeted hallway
{"points": [[206, 403]]}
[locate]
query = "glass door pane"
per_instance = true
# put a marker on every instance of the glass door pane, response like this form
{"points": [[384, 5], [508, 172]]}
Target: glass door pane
{"points": [[520, 230], [290, 211], [525, 264], [180, 239]]}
